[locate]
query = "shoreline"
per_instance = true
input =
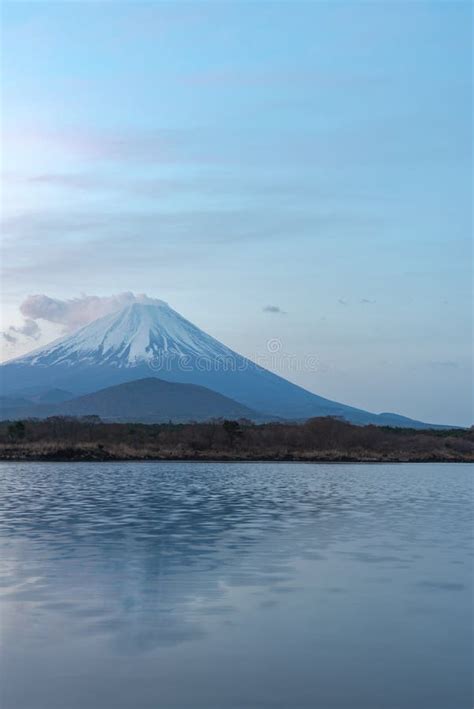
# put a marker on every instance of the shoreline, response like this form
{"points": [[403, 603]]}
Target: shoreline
{"points": [[81, 456]]}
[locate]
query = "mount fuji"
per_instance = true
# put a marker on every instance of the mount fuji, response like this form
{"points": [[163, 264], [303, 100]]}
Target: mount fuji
{"points": [[152, 340]]}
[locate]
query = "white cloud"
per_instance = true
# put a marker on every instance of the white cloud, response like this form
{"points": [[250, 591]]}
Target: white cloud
{"points": [[75, 312]]}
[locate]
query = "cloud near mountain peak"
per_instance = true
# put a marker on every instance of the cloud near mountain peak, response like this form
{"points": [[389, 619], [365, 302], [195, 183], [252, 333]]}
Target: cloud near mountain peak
{"points": [[71, 313]]}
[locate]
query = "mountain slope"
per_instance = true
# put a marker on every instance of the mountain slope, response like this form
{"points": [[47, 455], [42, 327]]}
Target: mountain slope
{"points": [[144, 340], [148, 400]]}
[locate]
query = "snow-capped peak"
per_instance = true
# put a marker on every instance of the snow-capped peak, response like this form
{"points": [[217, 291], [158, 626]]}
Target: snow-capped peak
{"points": [[139, 333]]}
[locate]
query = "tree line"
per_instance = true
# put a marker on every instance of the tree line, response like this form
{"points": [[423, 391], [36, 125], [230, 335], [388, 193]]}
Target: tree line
{"points": [[324, 438]]}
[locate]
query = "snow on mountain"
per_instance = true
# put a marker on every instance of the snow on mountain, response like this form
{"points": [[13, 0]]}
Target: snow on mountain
{"points": [[139, 333]]}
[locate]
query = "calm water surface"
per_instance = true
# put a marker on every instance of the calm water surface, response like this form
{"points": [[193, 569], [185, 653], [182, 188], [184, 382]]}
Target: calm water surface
{"points": [[230, 586]]}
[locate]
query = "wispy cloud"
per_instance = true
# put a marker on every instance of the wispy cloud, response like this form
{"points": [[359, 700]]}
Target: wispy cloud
{"points": [[75, 312], [222, 225], [363, 301], [11, 339], [278, 77], [274, 309], [69, 181], [30, 329], [443, 364], [164, 146]]}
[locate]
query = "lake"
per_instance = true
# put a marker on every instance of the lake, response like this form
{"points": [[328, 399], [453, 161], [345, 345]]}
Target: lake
{"points": [[236, 586]]}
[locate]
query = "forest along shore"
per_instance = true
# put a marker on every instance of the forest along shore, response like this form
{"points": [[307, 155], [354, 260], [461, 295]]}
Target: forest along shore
{"points": [[319, 439]]}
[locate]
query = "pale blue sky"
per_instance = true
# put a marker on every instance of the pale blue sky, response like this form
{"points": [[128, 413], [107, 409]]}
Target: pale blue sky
{"points": [[230, 156]]}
